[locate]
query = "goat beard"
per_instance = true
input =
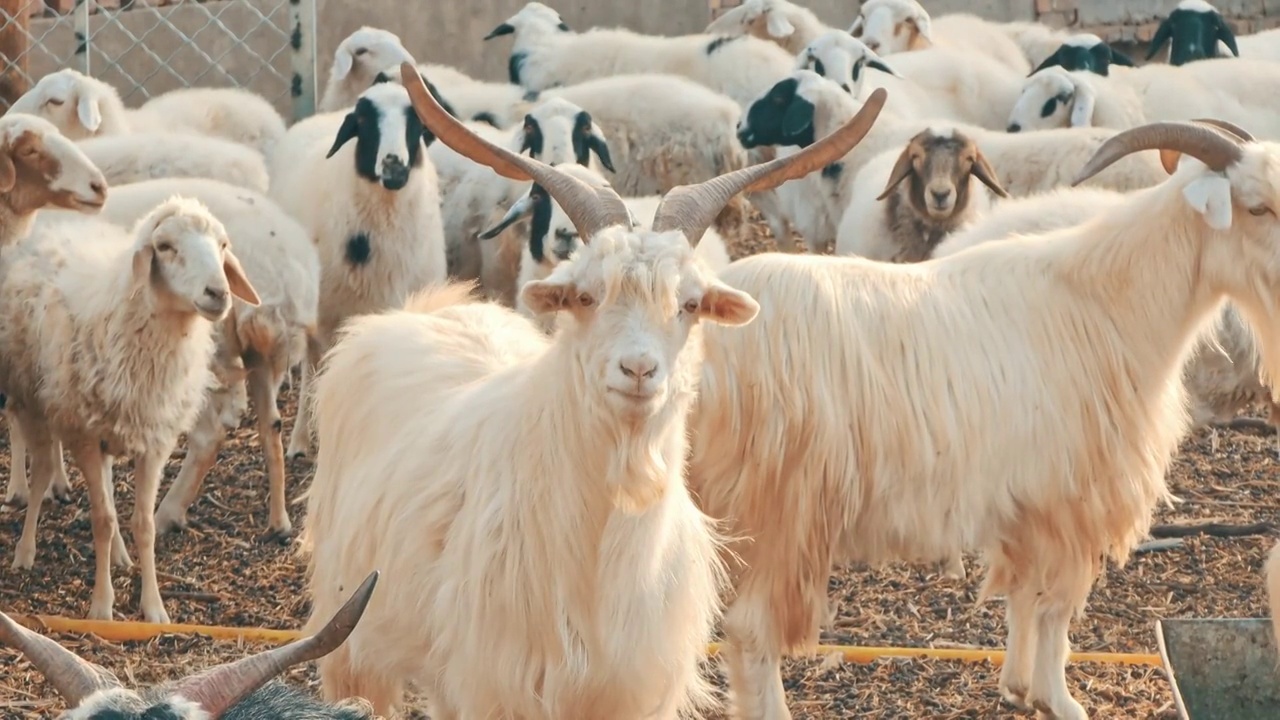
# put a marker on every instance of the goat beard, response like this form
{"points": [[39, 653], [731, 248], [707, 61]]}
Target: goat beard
{"points": [[1262, 318]]}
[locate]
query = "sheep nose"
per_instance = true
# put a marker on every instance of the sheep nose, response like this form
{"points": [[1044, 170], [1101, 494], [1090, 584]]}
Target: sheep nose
{"points": [[217, 294], [99, 187], [639, 367], [1014, 127], [746, 137], [563, 253], [395, 174]]}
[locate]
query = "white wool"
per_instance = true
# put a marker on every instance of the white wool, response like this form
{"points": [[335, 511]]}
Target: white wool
{"points": [[400, 231], [1023, 399], [117, 335], [144, 156], [894, 27], [473, 99], [590, 596], [789, 25], [233, 114], [1083, 40]]}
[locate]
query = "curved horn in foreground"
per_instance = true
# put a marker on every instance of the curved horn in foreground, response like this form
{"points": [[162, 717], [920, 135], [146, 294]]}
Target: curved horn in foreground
{"points": [[221, 687], [1230, 127], [589, 209], [691, 208], [1202, 142], [73, 677]]}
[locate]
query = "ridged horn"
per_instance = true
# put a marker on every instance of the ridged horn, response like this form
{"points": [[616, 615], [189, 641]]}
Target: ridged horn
{"points": [[1244, 135], [221, 687], [1202, 142], [590, 209], [72, 676], [692, 208]]}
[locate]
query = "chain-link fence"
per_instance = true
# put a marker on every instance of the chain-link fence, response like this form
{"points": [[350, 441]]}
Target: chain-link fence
{"points": [[147, 47]]}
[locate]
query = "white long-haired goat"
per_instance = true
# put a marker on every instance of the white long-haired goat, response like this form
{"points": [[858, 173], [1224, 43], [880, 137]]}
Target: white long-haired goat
{"points": [[1022, 398], [524, 496]]}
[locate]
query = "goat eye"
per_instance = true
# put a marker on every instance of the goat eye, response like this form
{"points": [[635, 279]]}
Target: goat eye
{"points": [[1261, 210], [691, 306], [361, 51], [585, 300], [164, 247], [54, 101]]}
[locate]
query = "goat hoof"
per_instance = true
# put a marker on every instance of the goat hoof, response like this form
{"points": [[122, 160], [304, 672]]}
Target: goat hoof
{"points": [[1015, 697], [279, 537]]}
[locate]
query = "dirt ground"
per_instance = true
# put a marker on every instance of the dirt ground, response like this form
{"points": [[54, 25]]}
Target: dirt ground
{"points": [[225, 571]]}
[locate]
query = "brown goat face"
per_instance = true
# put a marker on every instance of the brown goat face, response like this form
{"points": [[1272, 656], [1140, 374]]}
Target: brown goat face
{"points": [[937, 166]]}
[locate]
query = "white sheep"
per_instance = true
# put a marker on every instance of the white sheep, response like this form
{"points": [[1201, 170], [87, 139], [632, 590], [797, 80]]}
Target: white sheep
{"points": [[362, 185], [144, 156], [892, 27], [600, 407], [356, 62], [82, 107], [551, 238], [789, 25], [907, 201], [39, 168], [987, 391], [257, 343], [547, 53], [496, 104], [116, 331], [1244, 92]]}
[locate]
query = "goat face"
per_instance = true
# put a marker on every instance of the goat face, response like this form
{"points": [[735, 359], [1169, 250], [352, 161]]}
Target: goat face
{"points": [[389, 136], [782, 116]]}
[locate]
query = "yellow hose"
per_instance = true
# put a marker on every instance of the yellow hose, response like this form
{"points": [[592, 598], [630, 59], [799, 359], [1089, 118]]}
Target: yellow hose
{"points": [[139, 631]]}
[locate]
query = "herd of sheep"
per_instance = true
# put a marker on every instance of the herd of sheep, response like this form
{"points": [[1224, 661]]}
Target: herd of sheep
{"points": [[569, 435]]}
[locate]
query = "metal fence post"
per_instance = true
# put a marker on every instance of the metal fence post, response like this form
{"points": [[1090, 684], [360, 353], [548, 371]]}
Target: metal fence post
{"points": [[302, 42], [83, 7]]}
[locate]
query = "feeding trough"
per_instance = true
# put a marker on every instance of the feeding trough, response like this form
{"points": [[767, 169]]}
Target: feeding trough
{"points": [[1221, 669]]}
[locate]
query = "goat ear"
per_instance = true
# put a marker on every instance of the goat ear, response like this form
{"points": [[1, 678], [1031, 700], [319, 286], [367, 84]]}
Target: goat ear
{"points": [[902, 169], [143, 259], [89, 113], [343, 61], [8, 172], [238, 281], [724, 305], [777, 25], [350, 128], [1082, 106], [1225, 35], [1210, 195], [987, 175], [549, 295], [1163, 33]]}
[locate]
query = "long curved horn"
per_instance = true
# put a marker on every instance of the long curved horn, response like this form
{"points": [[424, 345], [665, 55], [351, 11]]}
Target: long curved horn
{"points": [[691, 208], [590, 209], [1204, 143], [72, 676], [1244, 135], [221, 687], [1169, 158]]}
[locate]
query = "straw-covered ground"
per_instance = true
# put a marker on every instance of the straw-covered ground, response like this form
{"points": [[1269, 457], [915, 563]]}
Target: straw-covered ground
{"points": [[224, 571]]}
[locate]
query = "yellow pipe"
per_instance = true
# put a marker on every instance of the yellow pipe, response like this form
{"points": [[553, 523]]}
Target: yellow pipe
{"points": [[140, 631]]}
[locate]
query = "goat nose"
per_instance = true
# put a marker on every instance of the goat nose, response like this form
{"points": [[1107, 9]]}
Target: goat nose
{"points": [[1014, 127], [940, 196], [213, 293], [638, 367]]}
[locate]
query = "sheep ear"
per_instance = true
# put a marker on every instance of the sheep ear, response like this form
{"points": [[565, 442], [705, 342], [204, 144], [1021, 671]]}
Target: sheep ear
{"points": [[1163, 33], [1050, 61], [1225, 35], [143, 259], [856, 28], [902, 169], [878, 64], [89, 113], [987, 175], [724, 305], [777, 25], [1210, 195], [238, 281], [601, 149], [343, 61], [796, 119], [1119, 58], [503, 29], [1082, 106], [549, 295], [923, 26], [350, 128], [8, 172]]}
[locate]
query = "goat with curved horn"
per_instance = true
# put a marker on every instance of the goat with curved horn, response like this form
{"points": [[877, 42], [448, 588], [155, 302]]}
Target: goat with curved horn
{"points": [[74, 678], [1208, 144], [590, 209], [221, 687], [692, 208]]}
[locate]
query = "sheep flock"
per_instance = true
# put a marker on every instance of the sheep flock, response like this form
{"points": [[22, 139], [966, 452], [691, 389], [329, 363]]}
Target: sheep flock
{"points": [[549, 408]]}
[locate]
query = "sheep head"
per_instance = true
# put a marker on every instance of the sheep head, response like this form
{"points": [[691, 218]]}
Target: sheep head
{"points": [[40, 167], [363, 53], [764, 19], [74, 102], [90, 690], [893, 26], [556, 131], [841, 58], [1086, 52], [1053, 98], [937, 165], [1192, 32], [389, 136]]}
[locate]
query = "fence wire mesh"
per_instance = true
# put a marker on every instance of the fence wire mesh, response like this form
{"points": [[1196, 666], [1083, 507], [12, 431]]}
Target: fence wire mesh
{"points": [[147, 47]]}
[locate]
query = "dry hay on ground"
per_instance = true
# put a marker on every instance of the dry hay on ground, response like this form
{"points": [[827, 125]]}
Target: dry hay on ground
{"points": [[223, 571]]}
